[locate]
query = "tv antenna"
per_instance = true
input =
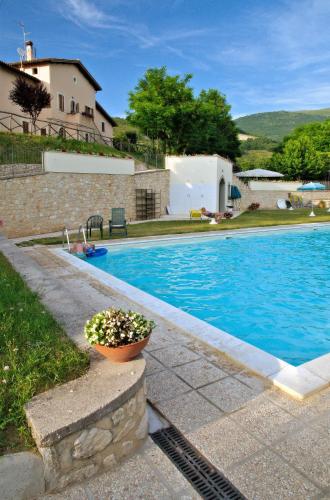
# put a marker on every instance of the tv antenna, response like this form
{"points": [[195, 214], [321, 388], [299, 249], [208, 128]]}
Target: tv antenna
{"points": [[21, 53], [25, 33]]}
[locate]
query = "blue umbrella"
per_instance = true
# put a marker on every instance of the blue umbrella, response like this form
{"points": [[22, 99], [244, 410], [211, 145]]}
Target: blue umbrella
{"points": [[312, 186]]}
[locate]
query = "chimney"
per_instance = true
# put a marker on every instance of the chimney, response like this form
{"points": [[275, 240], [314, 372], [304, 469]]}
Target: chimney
{"points": [[29, 50]]}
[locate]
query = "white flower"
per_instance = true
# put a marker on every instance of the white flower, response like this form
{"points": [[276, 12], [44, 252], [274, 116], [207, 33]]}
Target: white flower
{"points": [[4, 381], [5, 368]]}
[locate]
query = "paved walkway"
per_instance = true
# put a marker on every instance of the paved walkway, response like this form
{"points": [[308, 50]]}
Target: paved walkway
{"points": [[269, 445]]}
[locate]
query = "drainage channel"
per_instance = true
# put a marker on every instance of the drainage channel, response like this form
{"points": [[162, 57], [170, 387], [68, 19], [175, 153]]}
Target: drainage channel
{"points": [[206, 479]]}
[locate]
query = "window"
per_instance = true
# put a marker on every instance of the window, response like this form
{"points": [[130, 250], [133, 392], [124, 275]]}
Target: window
{"points": [[61, 102], [86, 137], [25, 126], [89, 112], [75, 79], [103, 126], [72, 107], [34, 71], [77, 107], [43, 131]]}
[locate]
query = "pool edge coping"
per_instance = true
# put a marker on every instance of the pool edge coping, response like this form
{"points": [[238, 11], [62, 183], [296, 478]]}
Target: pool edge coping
{"points": [[299, 382]]}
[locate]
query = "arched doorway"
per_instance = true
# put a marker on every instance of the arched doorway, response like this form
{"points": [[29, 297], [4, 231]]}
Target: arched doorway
{"points": [[222, 195]]}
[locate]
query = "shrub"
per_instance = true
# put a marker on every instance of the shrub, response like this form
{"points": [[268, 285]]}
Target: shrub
{"points": [[115, 327], [228, 215], [254, 206]]}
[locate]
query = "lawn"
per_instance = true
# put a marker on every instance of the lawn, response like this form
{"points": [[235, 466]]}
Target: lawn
{"points": [[259, 218], [26, 148], [35, 354]]}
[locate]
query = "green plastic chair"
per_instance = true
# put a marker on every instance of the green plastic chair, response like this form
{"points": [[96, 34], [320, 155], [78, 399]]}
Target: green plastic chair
{"points": [[94, 222], [117, 220]]}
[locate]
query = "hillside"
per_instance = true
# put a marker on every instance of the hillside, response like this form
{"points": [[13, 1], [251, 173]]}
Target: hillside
{"points": [[123, 126], [278, 124]]}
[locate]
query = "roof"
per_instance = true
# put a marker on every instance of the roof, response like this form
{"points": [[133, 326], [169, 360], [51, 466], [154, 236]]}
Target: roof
{"points": [[105, 114], [53, 60], [259, 172], [17, 72]]}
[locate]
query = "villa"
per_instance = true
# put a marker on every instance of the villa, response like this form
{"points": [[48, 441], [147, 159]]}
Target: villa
{"points": [[74, 112], [100, 259]]}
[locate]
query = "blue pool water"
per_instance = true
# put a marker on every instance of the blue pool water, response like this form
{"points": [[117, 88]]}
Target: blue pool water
{"points": [[271, 290]]}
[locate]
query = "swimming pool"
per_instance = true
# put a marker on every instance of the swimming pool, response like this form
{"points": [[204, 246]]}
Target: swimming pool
{"points": [[270, 289]]}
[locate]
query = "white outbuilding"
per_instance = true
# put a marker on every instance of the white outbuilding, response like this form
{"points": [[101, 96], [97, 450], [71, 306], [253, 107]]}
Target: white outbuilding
{"points": [[199, 181]]}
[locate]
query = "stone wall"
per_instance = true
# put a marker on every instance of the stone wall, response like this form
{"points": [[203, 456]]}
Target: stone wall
{"points": [[19, 170], [268, 198], [46, 203], [98, 447], [159, 180], [90, 424]]}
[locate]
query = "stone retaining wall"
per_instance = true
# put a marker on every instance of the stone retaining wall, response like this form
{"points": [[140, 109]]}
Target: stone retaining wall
{"points": [[98, 447], [268, 198], [90, 424], [20, 170], [46, 203]]}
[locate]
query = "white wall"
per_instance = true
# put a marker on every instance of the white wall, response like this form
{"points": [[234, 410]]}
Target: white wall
{"points": [[86, 164], [194, 182], [274, 185]]}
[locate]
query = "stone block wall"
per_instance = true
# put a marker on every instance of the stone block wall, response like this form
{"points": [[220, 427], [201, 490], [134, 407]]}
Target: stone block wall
{"points": [[268, 198], [159, 180], [20, 170], [98, 447], [46, 203]]}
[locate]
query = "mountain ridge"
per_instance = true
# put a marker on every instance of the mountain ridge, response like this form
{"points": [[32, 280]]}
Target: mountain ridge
{"points": [[277, 124]]}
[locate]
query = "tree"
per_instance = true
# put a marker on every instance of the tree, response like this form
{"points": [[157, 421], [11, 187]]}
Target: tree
{"points": [[159, 106], [165, 109], [300, 160], [305, 153], [213, 130], [32, 98], [255, 159]]}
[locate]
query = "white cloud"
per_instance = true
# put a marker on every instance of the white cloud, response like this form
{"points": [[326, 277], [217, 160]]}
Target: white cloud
{"points": [[86, 14]]}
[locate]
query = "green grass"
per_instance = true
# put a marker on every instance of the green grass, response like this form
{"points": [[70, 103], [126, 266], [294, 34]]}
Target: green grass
{"points": [[259, 218], [26, 148], [35, 354]]}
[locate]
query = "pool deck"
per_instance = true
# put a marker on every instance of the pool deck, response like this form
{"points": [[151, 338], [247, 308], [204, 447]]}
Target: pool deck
{"points": [[300, 382], [270, 445]]}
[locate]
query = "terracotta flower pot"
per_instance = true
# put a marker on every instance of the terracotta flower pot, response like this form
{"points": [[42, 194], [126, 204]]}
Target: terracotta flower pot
{"points": [[122, 353]]}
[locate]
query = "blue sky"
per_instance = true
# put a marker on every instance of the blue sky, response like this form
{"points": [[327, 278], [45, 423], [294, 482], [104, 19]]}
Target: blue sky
{"points": [[264, 55]]}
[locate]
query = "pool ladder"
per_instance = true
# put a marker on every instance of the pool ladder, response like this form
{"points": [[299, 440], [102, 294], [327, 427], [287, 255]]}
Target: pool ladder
{"points": [[66, 236]]}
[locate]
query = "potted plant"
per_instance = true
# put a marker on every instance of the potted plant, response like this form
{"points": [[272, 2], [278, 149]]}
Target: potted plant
{"points": [[117, 334]]}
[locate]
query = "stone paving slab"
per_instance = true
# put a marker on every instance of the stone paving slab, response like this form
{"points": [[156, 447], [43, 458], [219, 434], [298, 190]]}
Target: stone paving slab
{"points": [[228, 394], [199, 373], [267, 477], [165, 385], [189, 411], [308, 450], [265, 420], [175, 355], [224, 443], [238, 442]]}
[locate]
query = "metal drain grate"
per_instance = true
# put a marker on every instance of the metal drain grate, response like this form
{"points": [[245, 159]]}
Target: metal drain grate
{"points": [[205, 478]]}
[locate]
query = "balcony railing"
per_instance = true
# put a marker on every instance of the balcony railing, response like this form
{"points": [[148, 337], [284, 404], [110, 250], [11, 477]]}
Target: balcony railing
{"points": [[12, 122]]}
